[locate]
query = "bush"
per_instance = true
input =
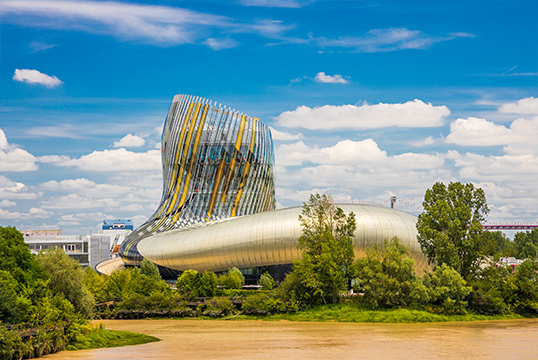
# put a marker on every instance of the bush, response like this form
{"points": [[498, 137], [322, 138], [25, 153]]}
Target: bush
{"points": [[520, 291], [188, 283], [447, 289], [233, 279], [267, 282], [486, 296], [217, 307], [386, 276]]}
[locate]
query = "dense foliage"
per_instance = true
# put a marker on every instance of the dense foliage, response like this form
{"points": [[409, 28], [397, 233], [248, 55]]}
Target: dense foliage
{"points": [[450, 228], [327, 248]]}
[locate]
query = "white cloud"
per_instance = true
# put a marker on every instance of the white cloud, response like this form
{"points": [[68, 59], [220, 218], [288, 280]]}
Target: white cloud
{"points": [[36, 77], [410, 114], [330, 79], [115, 161], [32, 214], [363, 154], [74, 201], [154, 24], [382, 40], [37, 46], [15, 190], [524, 106], [425, 142], [283, 136], [7, 203], [13, 159], [478, 167], [221, 44], [130, 141], [520, 138]]}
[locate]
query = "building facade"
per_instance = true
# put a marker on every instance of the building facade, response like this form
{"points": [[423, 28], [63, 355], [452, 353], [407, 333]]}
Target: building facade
{"points": [[217, 164], [218, 204]]}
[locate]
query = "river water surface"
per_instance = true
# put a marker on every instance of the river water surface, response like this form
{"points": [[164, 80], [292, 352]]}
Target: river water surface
{"points": [[221, 339]]}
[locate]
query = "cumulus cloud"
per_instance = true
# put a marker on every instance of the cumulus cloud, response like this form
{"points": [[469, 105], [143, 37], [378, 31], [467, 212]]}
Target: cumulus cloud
{"points": [[36, 77], [283, 136], [520, 138], [15, 190], [32, 214], [130, 141], [14, 159], [119, 160], [154, 24], [6, 203], [524, 106], [363, 154], [410, 114], [330, 79], [392, 39]]}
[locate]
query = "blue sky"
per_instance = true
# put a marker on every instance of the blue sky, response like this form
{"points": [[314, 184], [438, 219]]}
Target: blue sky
{"points": [[367, 99]]}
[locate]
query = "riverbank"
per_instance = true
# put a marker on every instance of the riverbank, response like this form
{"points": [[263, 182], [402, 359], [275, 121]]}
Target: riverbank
{"points": [[356, 313], [98, 337]]}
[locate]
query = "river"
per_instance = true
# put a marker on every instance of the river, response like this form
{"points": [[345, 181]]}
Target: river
{"points": [[221, 339]]}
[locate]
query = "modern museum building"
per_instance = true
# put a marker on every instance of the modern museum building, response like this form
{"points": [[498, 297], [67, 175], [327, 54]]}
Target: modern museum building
{"points": [[217, 209]]}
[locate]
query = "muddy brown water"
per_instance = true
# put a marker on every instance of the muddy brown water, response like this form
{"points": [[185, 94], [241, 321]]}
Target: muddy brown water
{"points": [[221, 339]]}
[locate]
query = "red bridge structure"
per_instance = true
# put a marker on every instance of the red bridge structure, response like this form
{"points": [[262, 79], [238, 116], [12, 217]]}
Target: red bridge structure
{"points": [[512, 226]]}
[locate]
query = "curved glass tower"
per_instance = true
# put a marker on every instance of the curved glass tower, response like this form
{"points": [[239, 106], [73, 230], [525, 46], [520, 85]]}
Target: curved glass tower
{"points": [[217, 164]]}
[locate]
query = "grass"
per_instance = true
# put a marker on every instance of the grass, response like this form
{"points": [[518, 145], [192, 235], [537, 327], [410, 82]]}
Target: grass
{"points": [[356, 313], [101, 338]]}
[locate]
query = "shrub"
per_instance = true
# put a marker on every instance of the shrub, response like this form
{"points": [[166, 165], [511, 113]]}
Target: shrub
{"points": [[233, 279], [217, 307], [446, 288], [267, 282]]}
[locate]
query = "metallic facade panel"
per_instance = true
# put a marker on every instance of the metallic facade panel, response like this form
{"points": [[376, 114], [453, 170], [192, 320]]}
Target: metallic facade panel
{"points": [[269, 238]]}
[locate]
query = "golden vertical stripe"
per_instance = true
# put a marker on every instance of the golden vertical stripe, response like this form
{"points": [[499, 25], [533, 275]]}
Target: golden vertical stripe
{"points": [[193, 159], [176, 159], [184, 156], [216, 186], [233, 162], [247, 168]]}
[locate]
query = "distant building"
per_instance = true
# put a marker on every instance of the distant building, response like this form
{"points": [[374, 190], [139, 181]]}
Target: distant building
{"points": [[117, 230], [88, 250], [511, 262], [99, 248], [56, 232], [76, 246]]}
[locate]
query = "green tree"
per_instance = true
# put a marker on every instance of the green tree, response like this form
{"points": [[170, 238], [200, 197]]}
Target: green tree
{"points": [[487, 296], [232, 279], [497, 244], [447, 288], [327, 247], [387, 277], [16, 259], [450, 229], [188, 283], [66, 278], [267, 282], [526, 244], [148, 268], [95, 283], [520, 291], [208, 284]]}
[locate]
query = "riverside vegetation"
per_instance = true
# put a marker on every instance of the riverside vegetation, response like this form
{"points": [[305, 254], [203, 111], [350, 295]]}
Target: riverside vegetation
{"points": [[54, 295]]}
